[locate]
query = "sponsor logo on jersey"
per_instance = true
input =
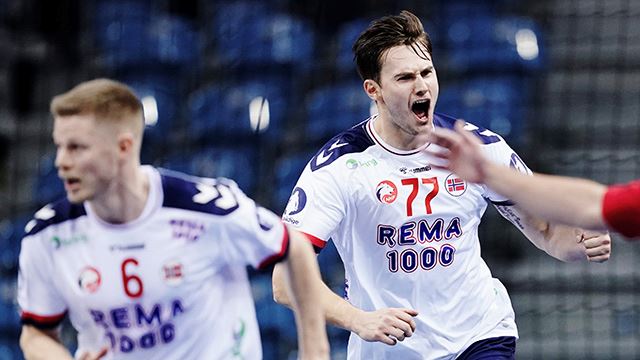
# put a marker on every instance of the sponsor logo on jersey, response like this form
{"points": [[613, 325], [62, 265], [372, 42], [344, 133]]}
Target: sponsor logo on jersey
{"points": [[127, 247], [59, 242], [386, 192], [89, 280], [297, 202], [186, 229], [404, 170], [455, 186], [354, 164], [172, 272], [239, 332]]}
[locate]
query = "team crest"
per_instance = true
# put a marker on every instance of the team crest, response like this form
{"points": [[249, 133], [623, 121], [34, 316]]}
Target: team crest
{"points": [[172, 272], [89, 280], [386, 192], [455, 186]]}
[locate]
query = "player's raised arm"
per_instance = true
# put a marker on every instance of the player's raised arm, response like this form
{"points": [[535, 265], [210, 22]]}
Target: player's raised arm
{"points": [[565, 200], [301, 278], [385, 325]]}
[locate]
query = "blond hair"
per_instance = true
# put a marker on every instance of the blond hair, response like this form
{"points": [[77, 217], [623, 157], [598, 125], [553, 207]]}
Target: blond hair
{"points": [[108, 100]]}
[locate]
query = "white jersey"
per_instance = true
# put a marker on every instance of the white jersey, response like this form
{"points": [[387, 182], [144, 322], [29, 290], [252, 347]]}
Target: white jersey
{"points": [[408, 237], [171, 284]]}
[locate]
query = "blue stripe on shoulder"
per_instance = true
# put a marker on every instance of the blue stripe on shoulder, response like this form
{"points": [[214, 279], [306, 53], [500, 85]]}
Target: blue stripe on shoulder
{"points": [[447, 122], [181, 192], [52, 214], [503, 203], [353, 140]]}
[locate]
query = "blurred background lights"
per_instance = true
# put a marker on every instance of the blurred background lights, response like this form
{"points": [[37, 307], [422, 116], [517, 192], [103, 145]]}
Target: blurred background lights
{"points": [[527, 44], [150, 107], [259, 114]]}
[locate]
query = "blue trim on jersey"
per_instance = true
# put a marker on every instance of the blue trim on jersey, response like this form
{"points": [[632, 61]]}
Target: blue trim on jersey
{"points": [[447, 122], [503, 203], [354, 140], [179, 190], [63, 211]]}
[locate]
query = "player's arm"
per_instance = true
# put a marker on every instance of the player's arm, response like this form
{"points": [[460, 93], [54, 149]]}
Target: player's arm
{"points": [[576, 202], [563, 242], [301, 281], [384, 325], [42, 344]]}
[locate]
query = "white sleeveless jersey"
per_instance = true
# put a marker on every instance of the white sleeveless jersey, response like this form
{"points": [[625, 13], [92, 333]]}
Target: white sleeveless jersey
{"points": [[170, 285], [408, 237]]}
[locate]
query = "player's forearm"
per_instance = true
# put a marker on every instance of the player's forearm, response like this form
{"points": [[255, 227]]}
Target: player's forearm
{"points": [[576, 202], [337, 311], [562, 243], [303, 280], [36, 345]]}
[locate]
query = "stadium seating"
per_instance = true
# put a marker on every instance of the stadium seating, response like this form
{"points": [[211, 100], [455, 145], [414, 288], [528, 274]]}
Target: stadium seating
{"points": [[250, 33], [48, 186], [131, 33], [334, 108], [239, 111], [482, 42], [494, 103]]}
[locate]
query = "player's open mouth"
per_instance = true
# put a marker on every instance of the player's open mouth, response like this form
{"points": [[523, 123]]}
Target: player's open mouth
{"points": [[421, 108], [71, 183]]}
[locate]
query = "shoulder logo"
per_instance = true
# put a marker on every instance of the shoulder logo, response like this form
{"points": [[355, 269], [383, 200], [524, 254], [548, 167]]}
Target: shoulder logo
{"points": [[45, 213], [455, 185], [325, 155], [386, 192], [297, 202]]}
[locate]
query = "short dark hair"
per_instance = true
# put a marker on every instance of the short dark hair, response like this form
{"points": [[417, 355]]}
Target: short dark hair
{"points": [[385, 33]]}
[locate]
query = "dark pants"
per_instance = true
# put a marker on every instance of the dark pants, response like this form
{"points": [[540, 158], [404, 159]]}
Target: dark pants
{"points": [[498, 348]]}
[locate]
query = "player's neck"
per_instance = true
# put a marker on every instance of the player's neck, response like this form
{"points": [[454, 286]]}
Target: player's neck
{"points": [[396, 137], [125, 199]]}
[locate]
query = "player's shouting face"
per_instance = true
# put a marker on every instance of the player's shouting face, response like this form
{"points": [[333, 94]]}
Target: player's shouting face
{"points": [[406, 93], [86, 156]]}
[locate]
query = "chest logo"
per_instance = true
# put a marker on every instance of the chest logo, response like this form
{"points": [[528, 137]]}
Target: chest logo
{"points": [[386, 192], [455, 185], [89, 280]]}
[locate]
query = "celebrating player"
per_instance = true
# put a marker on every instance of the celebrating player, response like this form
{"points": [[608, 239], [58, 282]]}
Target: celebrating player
{"points": [[407, 232], [571, 201], [149, 264]]}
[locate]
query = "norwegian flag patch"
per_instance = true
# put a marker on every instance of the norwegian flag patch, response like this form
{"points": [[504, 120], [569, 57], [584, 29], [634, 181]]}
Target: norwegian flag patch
{"points": [[455, 186]]}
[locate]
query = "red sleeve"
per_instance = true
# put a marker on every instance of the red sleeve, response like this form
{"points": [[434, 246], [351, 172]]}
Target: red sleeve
{"points": [[621, 208]]}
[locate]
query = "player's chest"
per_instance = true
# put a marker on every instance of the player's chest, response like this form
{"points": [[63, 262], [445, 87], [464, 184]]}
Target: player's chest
{"points": [[399, 191], [149, 264]]}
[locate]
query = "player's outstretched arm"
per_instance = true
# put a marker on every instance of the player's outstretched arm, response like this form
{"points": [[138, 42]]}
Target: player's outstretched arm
{"points": [[42, 344], [302, 281], [571, 201], [385, 325]]}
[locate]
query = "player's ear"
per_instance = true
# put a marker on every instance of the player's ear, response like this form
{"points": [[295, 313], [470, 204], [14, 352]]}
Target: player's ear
{"points": [[125, 143], [372, 89]]}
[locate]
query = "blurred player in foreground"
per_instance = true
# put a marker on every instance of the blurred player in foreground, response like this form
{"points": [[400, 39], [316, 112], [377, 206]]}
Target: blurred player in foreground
{"points": [[149, 264], [566, 200], [407, 233]]}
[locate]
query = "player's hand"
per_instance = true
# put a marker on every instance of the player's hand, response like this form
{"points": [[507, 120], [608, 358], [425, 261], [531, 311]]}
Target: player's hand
{"points": [[597, 245], [94, 355], [388, 325], [462, 154]]}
